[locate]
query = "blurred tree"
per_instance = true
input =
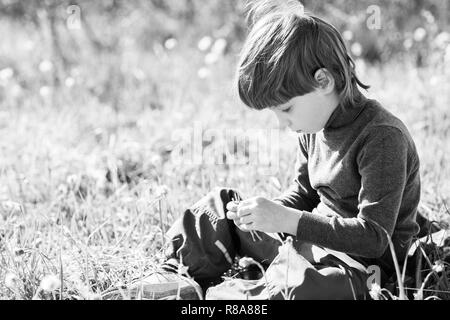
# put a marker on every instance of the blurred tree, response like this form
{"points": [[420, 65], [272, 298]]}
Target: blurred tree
{"points": [[158, 20]]}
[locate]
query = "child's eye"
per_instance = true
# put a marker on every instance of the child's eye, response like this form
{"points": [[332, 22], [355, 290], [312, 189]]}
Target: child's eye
{"points": [[287, 110]]}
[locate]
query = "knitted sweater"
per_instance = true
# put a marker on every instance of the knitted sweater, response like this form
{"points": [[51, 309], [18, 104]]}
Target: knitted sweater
{"points": [[356, 177]]}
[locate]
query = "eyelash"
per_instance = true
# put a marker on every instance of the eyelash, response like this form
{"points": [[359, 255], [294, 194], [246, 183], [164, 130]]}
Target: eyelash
{"points": [[287, 110]]}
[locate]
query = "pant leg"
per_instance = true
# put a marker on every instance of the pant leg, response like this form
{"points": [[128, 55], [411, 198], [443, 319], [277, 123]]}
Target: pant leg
{"points": [[207, 242], [313, 275]]}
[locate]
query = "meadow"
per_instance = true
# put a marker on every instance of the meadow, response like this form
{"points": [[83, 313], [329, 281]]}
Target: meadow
{"points": [[88, 182]]}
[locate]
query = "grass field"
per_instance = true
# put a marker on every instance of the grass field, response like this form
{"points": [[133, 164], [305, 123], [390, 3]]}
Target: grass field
{"points": [[88, 185]]}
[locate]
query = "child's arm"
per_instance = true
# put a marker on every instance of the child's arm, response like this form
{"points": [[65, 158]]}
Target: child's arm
{"points": [[300, 195], [385, 170]]}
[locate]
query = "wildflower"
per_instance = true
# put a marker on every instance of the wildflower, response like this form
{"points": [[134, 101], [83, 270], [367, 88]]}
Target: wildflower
{"points": [[161, 191], [45, 91], [37, 242], [438, 266], [182, 269], [211, 58], [219, 46], [11, 281], [10, 207], [204, 43], [408, 43], [419, 34], [348, 35], [246, 262], [442, 39], [16, 90], [356, 49], [73, 180], [94, 296], [50, 283], [45, 66], [69, 82], [203, 73], [6, 74], [375, 291], [170, 43], [418, 295]]}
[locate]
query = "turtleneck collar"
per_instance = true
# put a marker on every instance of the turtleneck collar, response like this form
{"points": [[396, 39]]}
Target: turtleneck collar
{"points": [[346, 113]]}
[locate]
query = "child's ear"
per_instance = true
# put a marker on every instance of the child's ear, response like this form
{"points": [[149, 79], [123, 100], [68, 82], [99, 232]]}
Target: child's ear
{"points": [[325, 80]]}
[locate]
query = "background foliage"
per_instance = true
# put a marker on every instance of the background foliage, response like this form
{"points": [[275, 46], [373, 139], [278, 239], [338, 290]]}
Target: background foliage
{"points": [[90, 102]]}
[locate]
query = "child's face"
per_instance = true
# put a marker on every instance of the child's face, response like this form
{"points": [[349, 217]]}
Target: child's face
{"points": [[307, 113]]}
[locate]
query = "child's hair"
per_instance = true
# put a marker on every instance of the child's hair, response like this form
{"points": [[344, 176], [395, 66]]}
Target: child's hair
{"points": [[283, 51]]}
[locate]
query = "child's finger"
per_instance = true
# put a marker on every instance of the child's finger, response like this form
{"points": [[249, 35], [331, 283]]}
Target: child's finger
{"points": [[232, 215], [245, 220], [244, 211], [232, 206], [245, 227]]}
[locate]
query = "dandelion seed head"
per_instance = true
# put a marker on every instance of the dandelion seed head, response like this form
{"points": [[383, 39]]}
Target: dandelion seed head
{"points": [[170, 43], [419, 34], [246, 262], [6, 74], [356, 49], [375, 291], [438, 266], [45, 91], [50, 283], [204, 43], [11, 280], [203, 73], [45, 66], [219, 46]]}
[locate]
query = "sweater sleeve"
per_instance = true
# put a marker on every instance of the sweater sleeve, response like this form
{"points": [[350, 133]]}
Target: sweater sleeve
{"points": [[300, 194], [382, 164]]}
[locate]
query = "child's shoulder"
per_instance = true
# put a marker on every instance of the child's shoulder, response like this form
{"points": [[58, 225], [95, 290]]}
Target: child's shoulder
{"points": [[378, 116], [380, 124]]}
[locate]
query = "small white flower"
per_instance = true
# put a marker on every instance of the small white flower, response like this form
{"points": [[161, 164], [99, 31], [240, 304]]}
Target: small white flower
{"points": [[203, 73], [356, 49], [6, 74], [418, 295], [204, 43], [442, 39], [73, 180], [45, 91], [438, 266], [246, 262], [95, 296], [170, 43], [69, 82], [375, 291], [45, 66], [211, 58], [348, 35], [10, 207], [11, 281], [161, 191], [50, 283], [219, 46], [420, 34]]}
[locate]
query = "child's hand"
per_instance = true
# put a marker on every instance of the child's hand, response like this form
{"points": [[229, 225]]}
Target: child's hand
{"points": [[262, 214]]}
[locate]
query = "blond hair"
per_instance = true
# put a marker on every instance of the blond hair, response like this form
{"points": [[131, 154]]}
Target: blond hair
{"points": [[284, 49]]}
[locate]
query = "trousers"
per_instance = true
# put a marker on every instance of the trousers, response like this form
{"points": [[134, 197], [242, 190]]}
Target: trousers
{"points": [[206, 243]]}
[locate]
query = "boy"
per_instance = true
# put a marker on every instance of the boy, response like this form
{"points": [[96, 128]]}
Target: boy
{"points": [[357, 172]]}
